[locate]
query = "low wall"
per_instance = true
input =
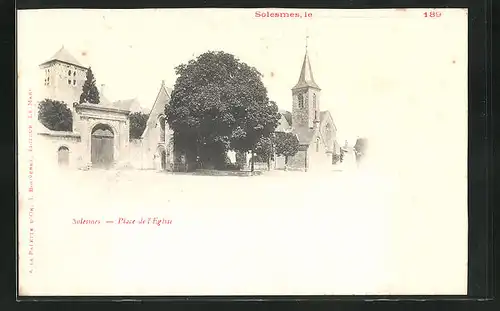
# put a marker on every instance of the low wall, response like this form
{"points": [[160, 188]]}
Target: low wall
{"points": [[136, 154], [47, 145], [225, 173]]}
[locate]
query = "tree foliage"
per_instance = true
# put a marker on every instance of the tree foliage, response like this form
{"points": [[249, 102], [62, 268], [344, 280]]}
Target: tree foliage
{"points": [[138, 121], [286, 144], [219, 103], [90, 93], [55, 115], [264, 150]]}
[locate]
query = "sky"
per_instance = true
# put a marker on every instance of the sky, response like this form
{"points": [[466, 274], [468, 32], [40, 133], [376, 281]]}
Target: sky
{"points": [[374, 66]]}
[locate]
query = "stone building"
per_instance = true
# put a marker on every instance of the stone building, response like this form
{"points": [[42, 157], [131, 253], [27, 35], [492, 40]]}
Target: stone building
{"points": [[315, 129], [100, 134], [155, 150]]}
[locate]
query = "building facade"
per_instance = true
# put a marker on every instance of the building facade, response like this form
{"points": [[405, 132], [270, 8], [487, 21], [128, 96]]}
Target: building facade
{"points": [[314, 128], [101, 133]]}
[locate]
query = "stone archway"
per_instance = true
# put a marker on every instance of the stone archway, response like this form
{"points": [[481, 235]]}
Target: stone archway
{"points": [[102, 146]]}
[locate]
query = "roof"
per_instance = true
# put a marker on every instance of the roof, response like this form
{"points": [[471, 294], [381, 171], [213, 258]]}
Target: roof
{"points": [[306, 78], [304, 134], [285, 121], [322, 115], [162, 99], [287, 115], [104, 101], [63, 55], [131, 104], [163, 91], [124, 103]]}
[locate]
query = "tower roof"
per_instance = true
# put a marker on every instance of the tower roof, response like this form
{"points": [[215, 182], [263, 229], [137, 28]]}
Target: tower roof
{"points": [[64, 56], [306, 78]]}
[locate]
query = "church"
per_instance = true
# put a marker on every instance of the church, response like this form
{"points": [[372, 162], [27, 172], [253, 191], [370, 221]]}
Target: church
{"points": [[100, 135], [314, 128]]}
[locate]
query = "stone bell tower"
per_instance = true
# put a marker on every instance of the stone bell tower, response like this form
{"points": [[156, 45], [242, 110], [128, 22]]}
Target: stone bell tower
{"points": [[305, 111], [63, 77]]}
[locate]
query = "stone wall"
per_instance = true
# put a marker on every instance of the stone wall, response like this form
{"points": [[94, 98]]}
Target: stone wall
{"points": [[298, 161], [137, 159], [47, 146], [300, 116]]}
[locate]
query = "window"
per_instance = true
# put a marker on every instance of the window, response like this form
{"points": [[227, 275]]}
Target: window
{"points": [[46, 80], [314, 101], [69, 81], [161, 123], [317, 144], [74, 82], [328, 134], [74, 73], [301, 101], [69, 72]]}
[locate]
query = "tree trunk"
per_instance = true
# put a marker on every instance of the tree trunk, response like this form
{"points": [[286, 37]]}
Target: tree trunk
{"points": [[305, 162], [253, 160], [269, 163], [286, 163]]}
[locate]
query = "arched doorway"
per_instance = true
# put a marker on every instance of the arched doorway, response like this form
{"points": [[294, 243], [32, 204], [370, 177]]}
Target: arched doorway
{"points": [[63, 156], [161, 158], [102, 145]]}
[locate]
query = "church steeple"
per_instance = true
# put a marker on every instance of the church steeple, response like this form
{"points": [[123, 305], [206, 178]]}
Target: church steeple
{"points": [[306, 78], [305, 94]]}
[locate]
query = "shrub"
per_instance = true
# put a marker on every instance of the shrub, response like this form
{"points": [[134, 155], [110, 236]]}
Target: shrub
{"points": [[55, 115]]}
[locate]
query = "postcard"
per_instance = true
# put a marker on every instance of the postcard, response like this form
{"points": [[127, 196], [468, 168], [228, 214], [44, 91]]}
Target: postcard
{"points": [[223, 152]]}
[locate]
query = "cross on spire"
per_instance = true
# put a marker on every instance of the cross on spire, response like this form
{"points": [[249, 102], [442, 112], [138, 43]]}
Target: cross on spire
{"points": [[306, 77]]}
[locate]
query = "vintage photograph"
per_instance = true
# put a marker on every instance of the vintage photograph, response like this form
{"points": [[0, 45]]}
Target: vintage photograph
{"points": [[242, 152]]}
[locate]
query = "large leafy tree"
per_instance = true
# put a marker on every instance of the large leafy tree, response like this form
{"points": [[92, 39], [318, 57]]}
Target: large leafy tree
{"points": [[55, 115], [90, 93], [138, 122], [219, 103], [285, 144]]}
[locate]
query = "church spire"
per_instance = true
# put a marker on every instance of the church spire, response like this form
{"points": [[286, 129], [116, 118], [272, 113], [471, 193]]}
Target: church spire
{"points": [[306, 78]]}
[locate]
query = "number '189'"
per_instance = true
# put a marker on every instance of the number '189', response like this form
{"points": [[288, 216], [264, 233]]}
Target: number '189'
{"points": [[432, 14]]}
